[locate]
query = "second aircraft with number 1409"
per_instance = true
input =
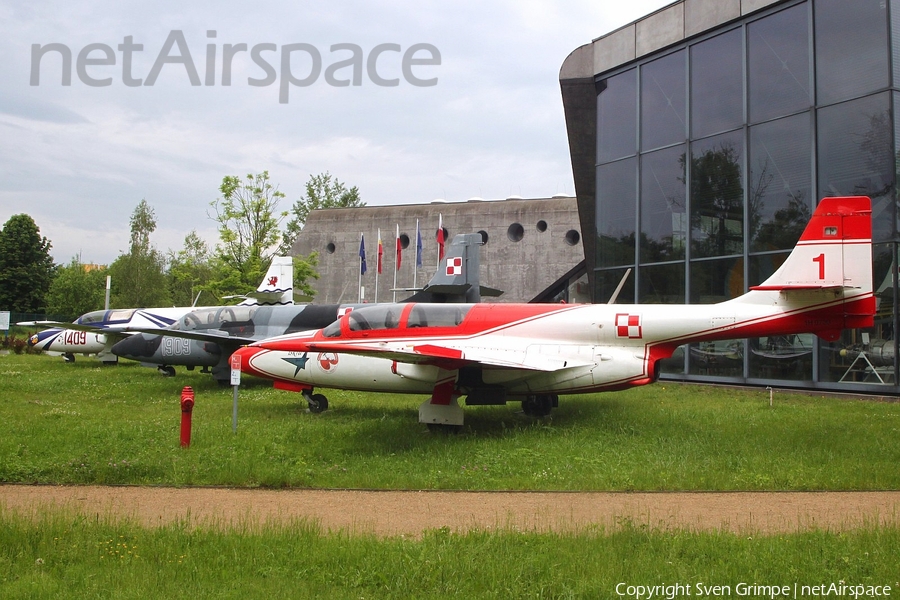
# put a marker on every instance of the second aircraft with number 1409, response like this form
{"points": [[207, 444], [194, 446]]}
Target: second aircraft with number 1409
{"points": [[494, 353]]}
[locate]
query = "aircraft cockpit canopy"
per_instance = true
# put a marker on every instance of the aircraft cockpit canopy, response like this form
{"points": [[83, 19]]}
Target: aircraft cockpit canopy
{"points": [[215, 318], [401, 316], [106, 316]]}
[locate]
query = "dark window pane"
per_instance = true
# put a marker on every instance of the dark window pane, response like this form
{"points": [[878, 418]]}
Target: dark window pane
{"points": [[716, 280], [782, 356], [895, 35], [663, 101], [780, 182], [617, 117], [778, 64], [661, 284], [717, 90], [851, 48], [856, 156], [723, 358], [616, 210], [896, 203], [762, 266], [606, 282], [717, 198], [663, 217], [866, 355]]}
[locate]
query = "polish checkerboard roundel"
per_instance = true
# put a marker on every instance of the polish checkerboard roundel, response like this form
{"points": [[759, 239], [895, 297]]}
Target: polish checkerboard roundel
{"points": [[454, 266], [628, 326]]}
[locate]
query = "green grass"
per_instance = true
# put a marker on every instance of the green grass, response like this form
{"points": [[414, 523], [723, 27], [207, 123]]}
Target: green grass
{"points": [[59, 555], [83, 423]]}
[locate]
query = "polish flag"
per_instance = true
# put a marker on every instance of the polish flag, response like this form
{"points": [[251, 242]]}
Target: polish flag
{"points": [[399, 254], [440, 237], [380, 251]]}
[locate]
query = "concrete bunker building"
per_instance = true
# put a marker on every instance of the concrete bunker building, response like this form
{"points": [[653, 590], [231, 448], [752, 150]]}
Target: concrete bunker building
{"points": [[532, 247], [701, 138]]}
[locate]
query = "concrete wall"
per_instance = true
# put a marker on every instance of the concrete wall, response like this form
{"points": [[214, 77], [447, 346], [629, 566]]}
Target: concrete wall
{"points": [[669, 25], [521, 269]]}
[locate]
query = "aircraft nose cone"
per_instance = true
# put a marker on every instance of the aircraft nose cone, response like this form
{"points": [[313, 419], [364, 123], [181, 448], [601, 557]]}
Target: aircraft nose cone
{"points": [[245, 354], [136, 346], [44, 338]]}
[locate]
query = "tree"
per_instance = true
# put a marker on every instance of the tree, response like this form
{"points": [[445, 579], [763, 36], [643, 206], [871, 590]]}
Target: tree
{"points": [[26, 267], [322, 191], [138, 277], [248, 230], [76, 290], [189, 270]]}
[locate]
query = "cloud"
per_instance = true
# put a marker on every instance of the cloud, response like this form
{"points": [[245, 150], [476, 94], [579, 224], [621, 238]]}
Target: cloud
{"points": [[80, 158]]}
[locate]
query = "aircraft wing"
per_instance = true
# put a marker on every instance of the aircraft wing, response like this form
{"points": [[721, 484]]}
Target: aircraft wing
{"points": [[108, 330], [207, 335], [454, 358]]}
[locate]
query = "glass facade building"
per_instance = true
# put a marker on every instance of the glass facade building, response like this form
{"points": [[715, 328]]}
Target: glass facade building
{"points": [[709, 156]]}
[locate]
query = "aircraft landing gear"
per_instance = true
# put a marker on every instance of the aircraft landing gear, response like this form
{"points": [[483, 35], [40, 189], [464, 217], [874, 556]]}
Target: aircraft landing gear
{"points": [[69, 357], [166, 371], [539, 405], [317, 402]]}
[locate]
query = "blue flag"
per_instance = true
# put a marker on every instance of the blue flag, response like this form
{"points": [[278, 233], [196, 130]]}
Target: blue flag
{"points": [[418, 245], [362, 254]]}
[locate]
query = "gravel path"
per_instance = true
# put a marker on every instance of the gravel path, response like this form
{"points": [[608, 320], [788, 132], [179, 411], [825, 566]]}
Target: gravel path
{"points": [[391, 513]]}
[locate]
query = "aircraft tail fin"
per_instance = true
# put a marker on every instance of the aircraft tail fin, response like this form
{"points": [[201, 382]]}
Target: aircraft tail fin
{"points": [[832, 259], [277, 286], [458, 278]]}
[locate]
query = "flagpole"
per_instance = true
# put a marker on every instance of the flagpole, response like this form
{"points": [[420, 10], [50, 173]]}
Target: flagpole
{"points": [[416, 264], [396, 259], [440, 240], [377, 264], [359, 284]]}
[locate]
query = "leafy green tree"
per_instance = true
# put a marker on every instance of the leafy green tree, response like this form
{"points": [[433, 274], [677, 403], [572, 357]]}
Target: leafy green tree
{"points": [[249, 230], [26, 267], [190, 270], [322, 191], [138, 277], [76, 290]]}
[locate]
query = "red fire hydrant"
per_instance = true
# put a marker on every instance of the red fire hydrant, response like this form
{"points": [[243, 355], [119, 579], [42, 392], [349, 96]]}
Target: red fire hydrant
{"points": [[187, 407]]}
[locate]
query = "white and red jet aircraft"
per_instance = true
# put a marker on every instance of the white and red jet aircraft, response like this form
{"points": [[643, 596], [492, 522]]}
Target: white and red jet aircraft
{"points": [[533, 352]]}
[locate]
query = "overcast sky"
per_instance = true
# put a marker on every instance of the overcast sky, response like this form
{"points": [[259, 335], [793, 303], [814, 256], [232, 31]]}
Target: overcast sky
{"points": [[79, 158]]}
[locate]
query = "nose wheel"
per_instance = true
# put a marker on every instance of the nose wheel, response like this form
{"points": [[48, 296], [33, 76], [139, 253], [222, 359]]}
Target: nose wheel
{"points": [[317, 402]]}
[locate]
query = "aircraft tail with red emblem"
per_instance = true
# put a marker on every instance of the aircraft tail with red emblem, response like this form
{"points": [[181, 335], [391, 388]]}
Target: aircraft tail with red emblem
{"points": [[827, 278]]}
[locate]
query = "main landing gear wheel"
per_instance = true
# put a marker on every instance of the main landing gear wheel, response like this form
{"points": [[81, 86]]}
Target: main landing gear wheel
{"points": [[69, 357], [166, 371], [317, 403], [539, 405]]}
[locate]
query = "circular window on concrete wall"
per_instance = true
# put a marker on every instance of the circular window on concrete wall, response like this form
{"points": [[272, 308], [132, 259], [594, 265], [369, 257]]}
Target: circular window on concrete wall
{"points": [[542, 226], [329, 248], [404, 241], [484, 236], [573, 237], [515, 233]]}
